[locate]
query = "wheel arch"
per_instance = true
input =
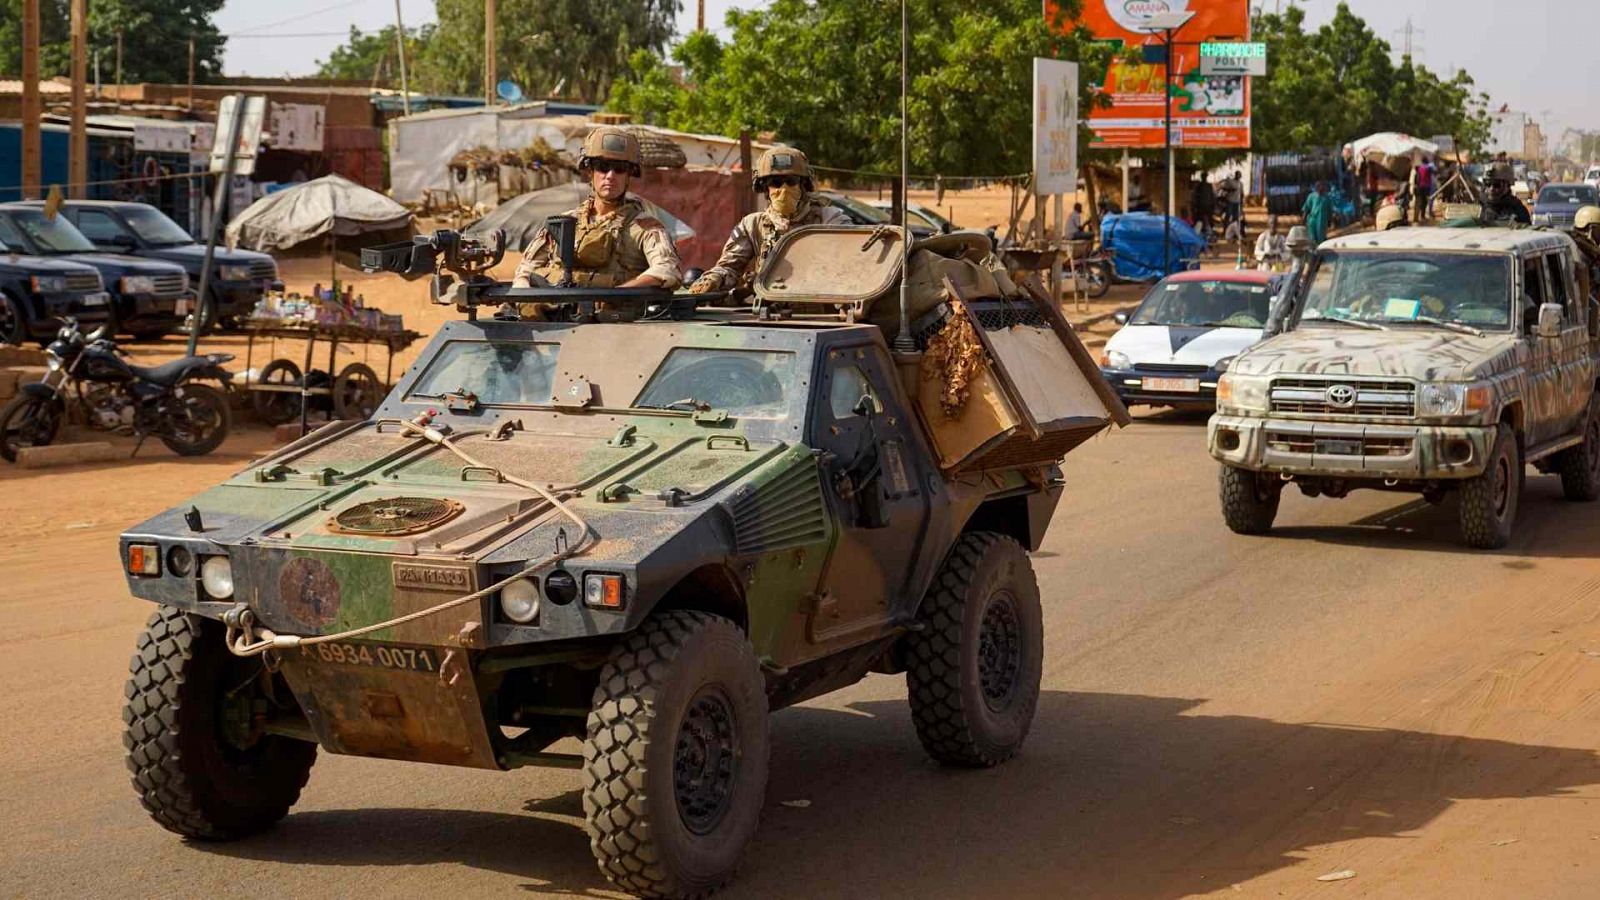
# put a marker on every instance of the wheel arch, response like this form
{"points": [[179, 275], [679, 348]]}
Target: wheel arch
{"points": [[712, 588], [1514, 415], [1022, 517]]}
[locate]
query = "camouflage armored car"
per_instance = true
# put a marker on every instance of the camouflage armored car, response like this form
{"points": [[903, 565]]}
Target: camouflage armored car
{"points": [[1427, 360], [613, 539]]}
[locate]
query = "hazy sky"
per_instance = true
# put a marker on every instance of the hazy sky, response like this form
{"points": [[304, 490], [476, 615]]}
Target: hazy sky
{"points": [[1536, 55]]}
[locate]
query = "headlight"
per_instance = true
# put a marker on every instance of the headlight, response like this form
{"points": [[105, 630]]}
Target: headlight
{"points": [[234, 273], [1541, 219], [1116, 359], [1222, 364], [1242, 393], [138, 284], [602, 591], [49, 284], [1441, 399], [216, 576], [519, 600], [52, 362]]}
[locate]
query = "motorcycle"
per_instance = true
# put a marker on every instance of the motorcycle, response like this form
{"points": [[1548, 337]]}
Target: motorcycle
{"points": [[89, 372]]}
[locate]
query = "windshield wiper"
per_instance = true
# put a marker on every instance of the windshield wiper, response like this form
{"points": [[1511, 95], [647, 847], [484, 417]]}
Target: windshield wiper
{"points": [[688, 404], [460, 398], [1450, 326], [1358, 323]]}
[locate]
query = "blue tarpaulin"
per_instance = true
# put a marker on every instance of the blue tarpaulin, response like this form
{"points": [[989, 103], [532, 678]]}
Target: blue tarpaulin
{"points": [[1135, 240]]}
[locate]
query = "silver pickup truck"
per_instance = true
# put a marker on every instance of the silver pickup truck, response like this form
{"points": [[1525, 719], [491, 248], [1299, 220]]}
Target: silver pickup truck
{"points": [[1426, 360]]}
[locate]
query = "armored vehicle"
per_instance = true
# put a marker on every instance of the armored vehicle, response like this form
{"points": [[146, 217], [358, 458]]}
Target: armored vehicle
{"points": [[612, 536], [1427, 360]]}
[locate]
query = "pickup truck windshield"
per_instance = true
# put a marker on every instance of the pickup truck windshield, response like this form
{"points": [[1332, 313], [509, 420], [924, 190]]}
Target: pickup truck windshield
{"points": [[153, 227], [1205, 304], [29, 229], [1387, 287]]}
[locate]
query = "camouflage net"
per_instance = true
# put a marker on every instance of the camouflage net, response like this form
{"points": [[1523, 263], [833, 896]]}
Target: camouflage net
{"points": [[954, 357]]}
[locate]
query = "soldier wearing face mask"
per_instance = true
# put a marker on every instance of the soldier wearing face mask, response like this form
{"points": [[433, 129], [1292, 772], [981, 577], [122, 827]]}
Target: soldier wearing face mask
{"points": [[784, 177]]}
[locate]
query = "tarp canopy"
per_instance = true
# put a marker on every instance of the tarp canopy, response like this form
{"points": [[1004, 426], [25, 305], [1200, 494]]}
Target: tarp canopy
{"points": [[1135, 239], [523, 216], [1392, 143], [328, 205]]}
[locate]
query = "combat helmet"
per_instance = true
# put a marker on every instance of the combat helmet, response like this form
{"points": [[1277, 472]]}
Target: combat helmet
{"points": [[1587, 216], [782, 161], [610, 142]]}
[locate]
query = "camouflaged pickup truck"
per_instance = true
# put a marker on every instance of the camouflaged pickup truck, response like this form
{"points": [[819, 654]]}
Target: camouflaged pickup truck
{"points": [[609, 546], [1426, 360]]}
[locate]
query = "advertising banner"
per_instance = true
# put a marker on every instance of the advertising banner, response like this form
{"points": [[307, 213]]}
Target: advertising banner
{"points": [[1055, 126], [1207, 110]]}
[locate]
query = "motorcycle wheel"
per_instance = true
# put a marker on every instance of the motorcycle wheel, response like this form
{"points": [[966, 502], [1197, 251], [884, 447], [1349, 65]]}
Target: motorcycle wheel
{"points": [[1098, 277], [198, 420], [28, 422]]}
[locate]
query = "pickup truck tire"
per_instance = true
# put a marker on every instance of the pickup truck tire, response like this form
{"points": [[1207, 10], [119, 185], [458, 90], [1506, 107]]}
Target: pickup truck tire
{"points": [[972, 671], [1249, 500], [13, 320], [675, 756], [1489, 502], [1580, 466], [194, 774]]}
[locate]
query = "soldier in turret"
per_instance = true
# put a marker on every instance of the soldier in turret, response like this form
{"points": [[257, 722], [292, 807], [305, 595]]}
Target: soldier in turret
{"points": [[784, 176], [618, 243]]}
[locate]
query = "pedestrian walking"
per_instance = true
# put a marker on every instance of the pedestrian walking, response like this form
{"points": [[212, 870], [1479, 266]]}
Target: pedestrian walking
{"points": [[1318, 209]]}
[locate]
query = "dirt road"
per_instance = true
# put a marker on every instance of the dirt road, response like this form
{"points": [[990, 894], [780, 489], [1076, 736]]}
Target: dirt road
{"points": [[1221, 715]]}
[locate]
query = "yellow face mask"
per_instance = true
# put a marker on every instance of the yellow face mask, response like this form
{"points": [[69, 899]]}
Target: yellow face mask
{"points": [[785, 199]]}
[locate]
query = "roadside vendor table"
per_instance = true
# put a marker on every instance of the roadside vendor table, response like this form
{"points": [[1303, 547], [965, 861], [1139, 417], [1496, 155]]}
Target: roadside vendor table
{"points": [[353, 383]]}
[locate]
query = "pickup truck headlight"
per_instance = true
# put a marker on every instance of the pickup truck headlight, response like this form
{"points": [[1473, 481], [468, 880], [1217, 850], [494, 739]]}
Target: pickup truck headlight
{"points": [[1442, 400], [1243, 393], [234, 273], [138, 284], [49, 284]]}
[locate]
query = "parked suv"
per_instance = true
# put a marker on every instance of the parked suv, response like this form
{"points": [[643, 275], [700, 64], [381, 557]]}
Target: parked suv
{"points": [[1426, 360], [238, 277], [37, 293], [145, 294]]}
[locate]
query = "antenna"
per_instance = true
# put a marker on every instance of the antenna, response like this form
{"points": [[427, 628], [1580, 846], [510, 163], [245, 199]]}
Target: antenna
{"points": [[903, 342]]}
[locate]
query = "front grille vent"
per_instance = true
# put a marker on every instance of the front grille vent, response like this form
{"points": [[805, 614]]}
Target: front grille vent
{"points": [[395, 516], [264, 268], [170, 285], [1372, 398], [1170, 368], [785, 512], [83, 282]]}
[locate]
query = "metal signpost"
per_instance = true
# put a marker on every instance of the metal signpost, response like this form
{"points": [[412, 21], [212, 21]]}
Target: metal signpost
{"points": [[238, 134]]}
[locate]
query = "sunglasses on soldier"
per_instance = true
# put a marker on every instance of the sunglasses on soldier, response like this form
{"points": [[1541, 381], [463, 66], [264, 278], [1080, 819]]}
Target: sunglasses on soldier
{"points": [[609, 165], [784, 181]]}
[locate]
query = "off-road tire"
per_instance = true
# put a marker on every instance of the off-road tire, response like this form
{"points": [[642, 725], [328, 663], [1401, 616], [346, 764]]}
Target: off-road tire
{"points": [[1249, 500], [188, 780], [1489, 501], [972, 671], [1580, 466], [679, 666]]}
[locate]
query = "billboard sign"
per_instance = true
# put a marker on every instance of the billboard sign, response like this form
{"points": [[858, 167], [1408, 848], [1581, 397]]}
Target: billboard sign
{"points": [[1207, 110], [1055, 126]]}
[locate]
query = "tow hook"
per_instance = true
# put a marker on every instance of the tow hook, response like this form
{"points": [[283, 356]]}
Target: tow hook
{"points": [[238, 617]]}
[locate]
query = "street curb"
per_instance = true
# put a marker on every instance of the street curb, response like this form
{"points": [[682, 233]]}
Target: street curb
{"points": [[65, 454]]}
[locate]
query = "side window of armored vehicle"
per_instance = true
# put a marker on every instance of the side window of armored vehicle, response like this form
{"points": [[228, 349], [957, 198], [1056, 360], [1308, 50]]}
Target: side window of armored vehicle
{"points": [[498, 373], [846, 387], [99, 227], [749, 383]]}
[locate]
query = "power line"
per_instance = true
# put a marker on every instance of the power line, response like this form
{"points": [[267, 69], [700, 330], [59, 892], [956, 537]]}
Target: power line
{"points": [[305, 15], [304, 34]]}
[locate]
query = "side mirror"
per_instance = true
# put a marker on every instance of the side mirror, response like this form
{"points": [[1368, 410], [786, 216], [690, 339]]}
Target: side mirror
{"points": [[867, 406], [1120, 317], [1550, 319]]}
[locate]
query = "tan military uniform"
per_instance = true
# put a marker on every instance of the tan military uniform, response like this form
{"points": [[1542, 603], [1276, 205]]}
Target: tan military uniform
{"points": [[752, 240], [610, 249]]}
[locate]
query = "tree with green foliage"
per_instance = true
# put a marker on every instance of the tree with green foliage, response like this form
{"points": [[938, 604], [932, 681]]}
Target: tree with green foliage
{"points": [[372, 55], [571, 48], [825, 75], [155, 38]]}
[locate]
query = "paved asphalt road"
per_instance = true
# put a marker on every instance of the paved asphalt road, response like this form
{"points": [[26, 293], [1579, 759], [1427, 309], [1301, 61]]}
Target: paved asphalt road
{"points": [[1220, 715]]}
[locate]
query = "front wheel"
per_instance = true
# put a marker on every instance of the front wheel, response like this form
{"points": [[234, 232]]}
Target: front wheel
{"points": [[973, 670], [1097, 278], [1489, 502], [201, 764], [1580, 466], [1249, 500], [28, 422], [197, 420], [13, 320], [675, 756]]}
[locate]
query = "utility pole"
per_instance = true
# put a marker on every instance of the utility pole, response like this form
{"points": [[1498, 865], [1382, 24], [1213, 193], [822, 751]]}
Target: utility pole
{"points": [[700, 17], [400, 39], [78, 148], [490, 18], [191, 74], [119, 68], [32, 174]]}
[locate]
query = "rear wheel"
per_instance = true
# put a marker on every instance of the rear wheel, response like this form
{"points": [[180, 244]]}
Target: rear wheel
{"points": [[1097, 279], [201, 764], [28, 422], [197, 420], [277, 407], [1489, 502], [675, 758], [1580, 466], [973, 670], [1249, 500]]}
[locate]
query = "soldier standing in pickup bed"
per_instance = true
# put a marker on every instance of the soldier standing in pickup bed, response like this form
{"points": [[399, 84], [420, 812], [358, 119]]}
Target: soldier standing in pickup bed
{"points": [[618, 244], [784, 177]]}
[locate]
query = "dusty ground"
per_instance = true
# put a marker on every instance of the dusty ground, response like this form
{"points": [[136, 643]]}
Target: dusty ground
{"points": [[1221, 716]]}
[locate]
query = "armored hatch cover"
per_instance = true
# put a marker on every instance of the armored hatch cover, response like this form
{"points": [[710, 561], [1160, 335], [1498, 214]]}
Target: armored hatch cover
{"points": [[832, 265]]}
